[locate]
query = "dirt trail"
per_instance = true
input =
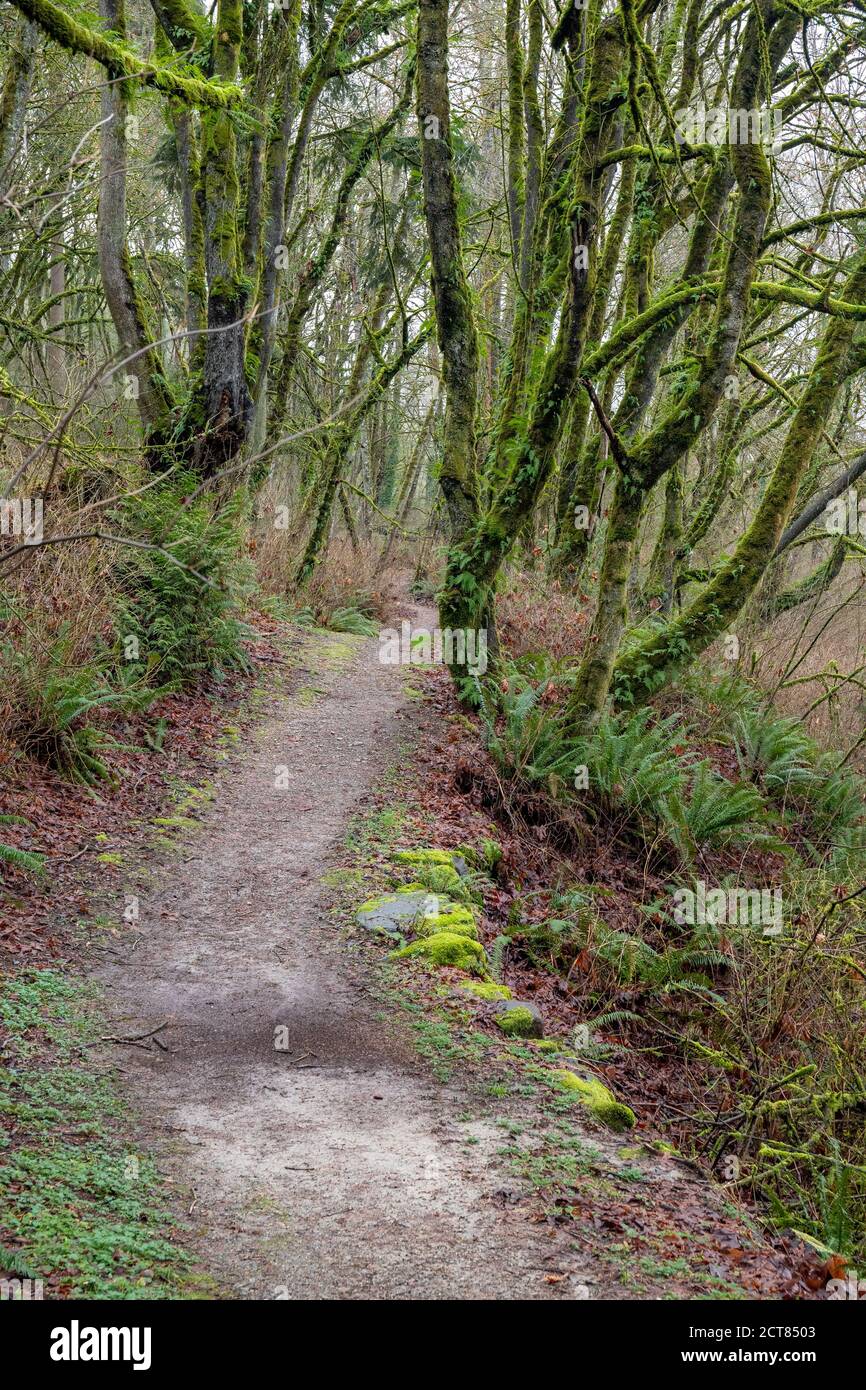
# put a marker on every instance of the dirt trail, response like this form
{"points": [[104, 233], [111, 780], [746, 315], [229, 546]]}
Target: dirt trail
{"points": [[339, 1169]]}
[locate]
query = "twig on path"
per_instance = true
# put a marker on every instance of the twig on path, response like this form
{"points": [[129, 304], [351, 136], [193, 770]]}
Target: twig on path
{"points": [[73, 857], [136, 1039]]}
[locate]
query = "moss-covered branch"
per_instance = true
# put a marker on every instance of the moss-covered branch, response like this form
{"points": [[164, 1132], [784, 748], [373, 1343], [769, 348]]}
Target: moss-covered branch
{"points": [[657, 661], [121, 62]]}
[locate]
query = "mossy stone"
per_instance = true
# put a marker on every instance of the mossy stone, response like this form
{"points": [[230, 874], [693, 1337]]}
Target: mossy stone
{"points": [[447, 948], [394, 913], [598, 1099], [459, 920], [520, 1020]]}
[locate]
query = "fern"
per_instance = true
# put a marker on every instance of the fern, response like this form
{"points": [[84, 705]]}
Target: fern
{"points": [[496, 955], [55, 703], [530, 746], [22, 859], [828, 798], [353, 621], [774, 751], [184, 611], [634, 762], [611, 1018], [719, 812]]}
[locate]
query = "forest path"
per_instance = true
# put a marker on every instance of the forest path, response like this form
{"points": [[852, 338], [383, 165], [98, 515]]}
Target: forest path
{"points": [[339, 1169]]}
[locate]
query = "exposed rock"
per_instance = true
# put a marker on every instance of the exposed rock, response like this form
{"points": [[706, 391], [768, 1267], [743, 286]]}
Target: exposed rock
{"points": [[396, 913]]}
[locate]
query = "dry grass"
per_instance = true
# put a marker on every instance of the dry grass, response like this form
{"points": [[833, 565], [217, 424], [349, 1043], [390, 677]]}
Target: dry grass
{"points": [[813, 659], [534, 615], [55, 607]]}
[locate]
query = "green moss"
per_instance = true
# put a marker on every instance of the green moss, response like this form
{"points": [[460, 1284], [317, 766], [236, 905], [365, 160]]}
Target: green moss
{"points": [[121, 62], [458, 921], [548, 1045], [598, 1099], [484, 989], [516, 1023], [371, 904], [435, 871], [442, 878], [447, 948], [424, 856]]}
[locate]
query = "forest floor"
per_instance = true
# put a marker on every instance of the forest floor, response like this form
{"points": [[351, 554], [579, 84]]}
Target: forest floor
{"points": [[397, 1148]]}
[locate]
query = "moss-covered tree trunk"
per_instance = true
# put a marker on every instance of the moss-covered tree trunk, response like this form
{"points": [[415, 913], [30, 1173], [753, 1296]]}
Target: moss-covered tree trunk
{"points": [[456, 331], [659, 660], [13, 95], [134, 332], [223, 410], [465, 598], [692, 409]]}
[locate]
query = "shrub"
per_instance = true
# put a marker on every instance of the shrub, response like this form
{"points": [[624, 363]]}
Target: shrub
{"points": [[181, 601], [55, 699]]}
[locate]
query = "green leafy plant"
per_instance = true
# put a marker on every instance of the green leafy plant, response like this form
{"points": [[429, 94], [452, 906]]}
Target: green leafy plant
{"points": [[353, 621], [181, 602], [22, 859], [718, 812], [56, 701]]}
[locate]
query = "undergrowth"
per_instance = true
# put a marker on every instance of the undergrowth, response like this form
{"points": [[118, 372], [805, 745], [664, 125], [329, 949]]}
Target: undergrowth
{"points": [[761, 999], [82, 1211]]}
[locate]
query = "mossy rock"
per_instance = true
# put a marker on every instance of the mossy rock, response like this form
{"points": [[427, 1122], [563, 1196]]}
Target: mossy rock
{"points": [[486, 989], [598, 1099], [458, 920], [442, 878], [394, 913], [427, 856], [447, 948], [548, 1045], [520, 1020], [441, 870]]}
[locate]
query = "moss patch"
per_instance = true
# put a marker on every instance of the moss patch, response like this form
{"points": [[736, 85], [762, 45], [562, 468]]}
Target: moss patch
{"points": [[447, 948], [486, 989], [517, 1023], [425, 856], [458, 921], [598, 1099]]}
